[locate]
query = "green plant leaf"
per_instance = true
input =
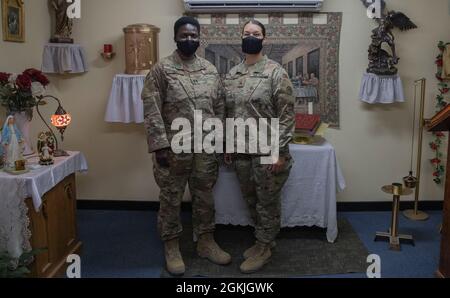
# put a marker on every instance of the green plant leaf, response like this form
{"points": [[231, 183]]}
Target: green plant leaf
{"points": [[26, 256]]}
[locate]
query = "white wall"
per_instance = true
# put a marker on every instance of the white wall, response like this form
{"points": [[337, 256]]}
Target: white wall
{"points": [[373, 144]]}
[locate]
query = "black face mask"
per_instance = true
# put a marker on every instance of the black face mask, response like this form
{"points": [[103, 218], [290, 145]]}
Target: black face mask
{"points": [[252, 45], [188, 47]]}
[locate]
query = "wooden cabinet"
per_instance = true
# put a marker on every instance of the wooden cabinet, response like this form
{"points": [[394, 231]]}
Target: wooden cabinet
{"points": [[54, 227]]}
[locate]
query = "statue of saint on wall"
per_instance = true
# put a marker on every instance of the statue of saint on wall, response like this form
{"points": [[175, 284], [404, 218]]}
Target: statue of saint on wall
{"points": [[62, 23], [383, 62]]}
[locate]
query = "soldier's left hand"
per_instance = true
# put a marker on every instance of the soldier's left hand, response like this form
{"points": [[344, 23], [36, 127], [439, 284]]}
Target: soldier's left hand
{"points": [[228, 159], [278, 166]]}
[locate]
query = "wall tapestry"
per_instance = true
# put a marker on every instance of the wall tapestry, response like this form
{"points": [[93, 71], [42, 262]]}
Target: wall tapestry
{"points": [[306, 44]]}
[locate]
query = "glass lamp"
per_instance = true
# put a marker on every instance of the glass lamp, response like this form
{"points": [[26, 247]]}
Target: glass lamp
{"points": [[60, 119]]}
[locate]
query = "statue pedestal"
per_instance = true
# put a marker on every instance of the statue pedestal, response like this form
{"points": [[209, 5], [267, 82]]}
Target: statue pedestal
{"points": [[125, 104], [64, 58], [61, 40], [381, 89]]}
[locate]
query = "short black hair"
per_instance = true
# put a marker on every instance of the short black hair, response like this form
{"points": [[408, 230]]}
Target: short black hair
{"points": [[183, 21], [258, 23]]}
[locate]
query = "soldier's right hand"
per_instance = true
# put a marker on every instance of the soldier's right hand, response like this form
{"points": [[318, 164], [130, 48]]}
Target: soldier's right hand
{"points": [[228, 159], [162, 157]]}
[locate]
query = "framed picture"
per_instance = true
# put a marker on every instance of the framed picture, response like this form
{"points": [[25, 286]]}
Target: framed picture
{"points": [[13, 20]]}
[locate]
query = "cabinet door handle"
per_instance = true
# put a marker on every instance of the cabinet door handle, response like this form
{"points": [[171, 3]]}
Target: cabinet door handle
{"points": [[68, 191]]}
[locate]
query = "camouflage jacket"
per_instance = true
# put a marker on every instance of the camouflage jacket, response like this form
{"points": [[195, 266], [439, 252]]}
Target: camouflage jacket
{"points": [[262, 90], [174, 89]]}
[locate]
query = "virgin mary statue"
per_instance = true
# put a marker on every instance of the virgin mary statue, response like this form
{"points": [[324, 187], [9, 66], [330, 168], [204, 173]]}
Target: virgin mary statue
{"points": [[12, 140]]}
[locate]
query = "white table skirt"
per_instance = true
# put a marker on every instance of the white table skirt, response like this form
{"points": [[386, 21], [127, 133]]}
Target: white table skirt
{"points": [[308, 198], [64, 58], [125, 104], [381, 89], [306, 91], [14, 231]]}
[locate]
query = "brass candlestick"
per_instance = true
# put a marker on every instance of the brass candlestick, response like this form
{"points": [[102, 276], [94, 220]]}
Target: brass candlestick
{"points": [[411, 181], [396, 190]]}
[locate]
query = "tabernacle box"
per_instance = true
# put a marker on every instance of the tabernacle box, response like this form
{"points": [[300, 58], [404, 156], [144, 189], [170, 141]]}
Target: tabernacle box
{"points": [[141, 48]]}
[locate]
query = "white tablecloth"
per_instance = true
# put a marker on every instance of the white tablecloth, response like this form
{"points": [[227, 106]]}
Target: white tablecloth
{"points": [[381, 89], [306, 92], [14, 231], [308, 198], [64, 58], [125, 103]]}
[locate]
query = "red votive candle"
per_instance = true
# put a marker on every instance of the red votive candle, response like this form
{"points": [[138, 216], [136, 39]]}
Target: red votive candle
{"points": [[107, 48]]}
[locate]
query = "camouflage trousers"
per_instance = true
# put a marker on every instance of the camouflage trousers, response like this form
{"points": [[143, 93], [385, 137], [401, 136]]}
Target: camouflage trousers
{"points": [[200, 172], [261, 190]]}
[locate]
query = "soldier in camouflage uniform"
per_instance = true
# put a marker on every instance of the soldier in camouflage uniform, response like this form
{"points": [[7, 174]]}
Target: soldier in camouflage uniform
{"points": [[174, 88], [260, 88]]}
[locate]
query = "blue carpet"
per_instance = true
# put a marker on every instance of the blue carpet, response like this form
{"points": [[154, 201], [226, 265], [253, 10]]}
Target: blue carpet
{"points": [[126, 244]]}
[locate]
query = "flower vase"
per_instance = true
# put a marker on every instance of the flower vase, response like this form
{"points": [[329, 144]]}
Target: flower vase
{"points": [[23, 122]]}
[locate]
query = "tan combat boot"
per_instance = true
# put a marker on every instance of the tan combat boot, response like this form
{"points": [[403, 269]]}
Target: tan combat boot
{"points": [[260, 257], [174, 261], [254, 249], [209, 249]]}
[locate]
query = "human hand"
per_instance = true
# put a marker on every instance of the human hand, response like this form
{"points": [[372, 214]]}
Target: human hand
{"points": [[278, 166], [162, 157], [227, 158]]}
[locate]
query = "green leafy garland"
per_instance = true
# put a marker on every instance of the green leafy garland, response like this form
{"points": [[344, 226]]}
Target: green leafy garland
{"points": [[441, 103]]}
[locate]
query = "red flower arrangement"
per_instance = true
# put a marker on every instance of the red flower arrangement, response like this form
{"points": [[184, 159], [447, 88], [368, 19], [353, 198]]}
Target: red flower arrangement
{"points": [[4, 78], [439, 134], [18, 92], [23, 81], [439, 168], [37, 76], [435, 161]]}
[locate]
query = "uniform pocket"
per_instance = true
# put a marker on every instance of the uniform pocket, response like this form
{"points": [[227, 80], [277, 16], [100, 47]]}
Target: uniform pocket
{"points": [[180, 164], [175, 88]]}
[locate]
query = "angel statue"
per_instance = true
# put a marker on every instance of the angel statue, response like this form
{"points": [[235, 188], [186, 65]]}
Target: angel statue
{"points": [[381, 62], [63, 24]]}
